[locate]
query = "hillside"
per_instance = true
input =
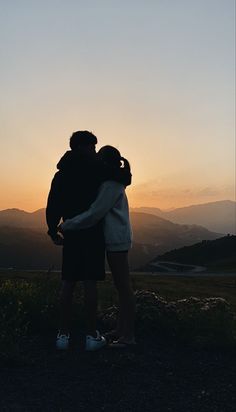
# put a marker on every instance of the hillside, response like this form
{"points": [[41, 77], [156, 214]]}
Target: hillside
{"points": [[27, 249], [21, 219], [33, 249], [219, 253], [165, 235], [216, 216], [25, 244]]}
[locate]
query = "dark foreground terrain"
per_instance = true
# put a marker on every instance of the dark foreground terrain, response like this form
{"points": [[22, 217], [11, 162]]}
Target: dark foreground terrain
{"points": [[156, 376], [184, 360]]}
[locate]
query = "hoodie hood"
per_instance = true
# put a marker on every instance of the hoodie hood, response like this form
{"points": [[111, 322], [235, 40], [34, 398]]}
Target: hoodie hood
{"points": [[66, 160], [72, 160]]}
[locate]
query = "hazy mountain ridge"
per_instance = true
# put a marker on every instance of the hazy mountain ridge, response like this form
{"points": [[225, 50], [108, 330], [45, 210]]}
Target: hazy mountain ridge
{"points": [[24, 242], [27, 249], [33, 249], [216, 216], [160, 232], [22, 219]]}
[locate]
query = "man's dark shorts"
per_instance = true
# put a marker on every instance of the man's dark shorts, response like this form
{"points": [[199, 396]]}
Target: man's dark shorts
{"points": [[84, 255]]}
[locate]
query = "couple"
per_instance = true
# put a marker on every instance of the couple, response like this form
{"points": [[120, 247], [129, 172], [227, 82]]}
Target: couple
{"points": [[88, 194]]}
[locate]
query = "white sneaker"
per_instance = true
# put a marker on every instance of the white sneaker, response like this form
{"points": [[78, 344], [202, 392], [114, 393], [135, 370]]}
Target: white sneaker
{"points": [[62, 342], [93, 344]]}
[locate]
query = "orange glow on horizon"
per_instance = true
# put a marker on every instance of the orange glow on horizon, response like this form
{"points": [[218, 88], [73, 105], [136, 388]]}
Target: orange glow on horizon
{"points": [[30, 199]]}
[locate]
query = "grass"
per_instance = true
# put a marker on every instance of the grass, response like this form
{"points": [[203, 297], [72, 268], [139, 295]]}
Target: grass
{"points": [[173, 287], [168, 286], [29, 299]]}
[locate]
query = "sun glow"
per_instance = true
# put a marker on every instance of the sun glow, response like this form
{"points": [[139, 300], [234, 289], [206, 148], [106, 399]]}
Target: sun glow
{"points": [[152, 90]]}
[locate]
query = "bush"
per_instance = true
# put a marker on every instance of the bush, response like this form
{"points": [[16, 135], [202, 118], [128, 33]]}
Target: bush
{"points": [[27, 308], [206, 320], [31, 307]]}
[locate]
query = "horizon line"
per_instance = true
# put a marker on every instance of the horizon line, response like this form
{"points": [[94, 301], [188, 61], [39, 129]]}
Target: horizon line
{"points": [[135, 207]]}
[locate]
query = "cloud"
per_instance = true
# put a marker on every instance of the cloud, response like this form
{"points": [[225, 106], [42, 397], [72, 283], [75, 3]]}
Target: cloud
{"points": [[152, 194], [208, 191]]}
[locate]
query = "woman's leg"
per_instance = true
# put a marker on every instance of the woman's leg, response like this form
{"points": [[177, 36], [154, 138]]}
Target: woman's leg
{"points": [[119, 266], [66, 305]]}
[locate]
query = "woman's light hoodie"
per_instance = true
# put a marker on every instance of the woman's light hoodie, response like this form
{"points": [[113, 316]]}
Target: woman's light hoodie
{"points": [[112, 205]]}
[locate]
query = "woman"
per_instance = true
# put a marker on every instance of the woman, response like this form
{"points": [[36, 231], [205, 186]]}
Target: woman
{"points": [[112, 205]]}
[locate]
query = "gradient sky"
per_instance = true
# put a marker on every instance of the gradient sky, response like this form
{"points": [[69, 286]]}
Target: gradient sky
{"points": [[154, 78]]}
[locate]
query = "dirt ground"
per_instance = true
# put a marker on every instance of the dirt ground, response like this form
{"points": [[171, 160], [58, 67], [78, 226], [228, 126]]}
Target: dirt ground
{"points": [[155, 376]]}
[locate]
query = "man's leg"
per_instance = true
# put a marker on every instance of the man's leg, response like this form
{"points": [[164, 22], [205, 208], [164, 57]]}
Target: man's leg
{"points": [[90, 303], [66, 305]]}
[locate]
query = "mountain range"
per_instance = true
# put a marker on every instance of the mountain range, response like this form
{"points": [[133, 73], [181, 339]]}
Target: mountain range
{"points": [[21, 219], [216, 216], [25, 244]]}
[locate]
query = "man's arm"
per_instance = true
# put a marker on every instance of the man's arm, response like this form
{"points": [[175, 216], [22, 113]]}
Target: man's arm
{"points": [[108, 195], [54, 206]]}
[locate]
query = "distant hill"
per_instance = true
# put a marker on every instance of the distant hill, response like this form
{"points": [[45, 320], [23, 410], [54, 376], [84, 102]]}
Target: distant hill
{"points": [[20, 218], [216, 216], [165, 235], [25, 244], [219, 253], [33, 249], [27, 249]]}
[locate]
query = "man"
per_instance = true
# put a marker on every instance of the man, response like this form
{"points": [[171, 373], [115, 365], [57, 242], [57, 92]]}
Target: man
{"points": [[74, 188]]}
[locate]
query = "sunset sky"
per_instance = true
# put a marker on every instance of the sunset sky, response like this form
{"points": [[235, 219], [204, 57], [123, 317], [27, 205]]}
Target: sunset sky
{"points": [[154, 78]]}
